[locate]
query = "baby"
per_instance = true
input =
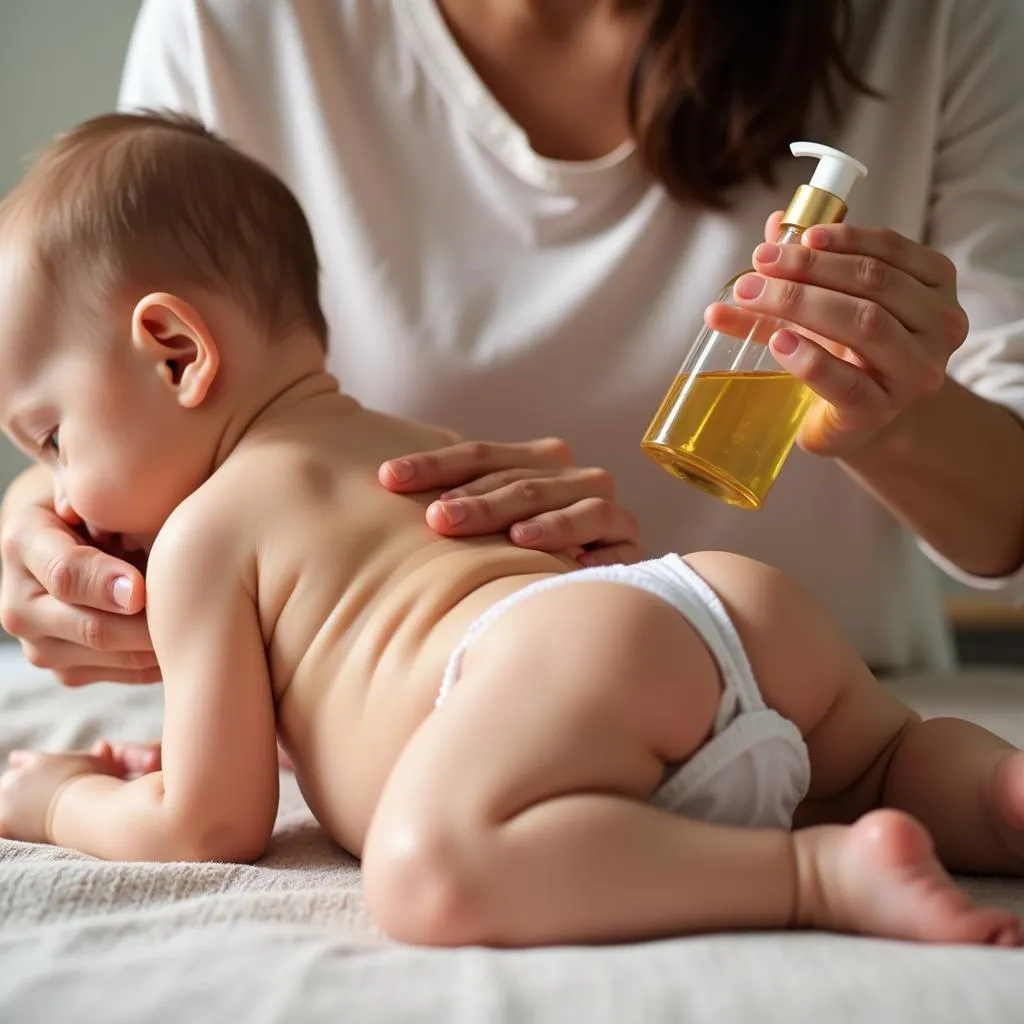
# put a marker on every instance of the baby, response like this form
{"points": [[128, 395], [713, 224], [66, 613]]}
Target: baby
{"points": [[522, 752]]}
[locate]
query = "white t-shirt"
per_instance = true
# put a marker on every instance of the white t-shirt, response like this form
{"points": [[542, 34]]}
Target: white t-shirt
{"points": [[469, 281]]}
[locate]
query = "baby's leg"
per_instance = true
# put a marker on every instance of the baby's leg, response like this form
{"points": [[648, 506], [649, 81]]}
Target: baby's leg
{"points": [[517, 815], [867, 749]]}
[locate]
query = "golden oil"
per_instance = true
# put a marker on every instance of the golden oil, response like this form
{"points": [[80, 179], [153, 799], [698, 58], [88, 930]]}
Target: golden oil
{"points": [[728, 432]]}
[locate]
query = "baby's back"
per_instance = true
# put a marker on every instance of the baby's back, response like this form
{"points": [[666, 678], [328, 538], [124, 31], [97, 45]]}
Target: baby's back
{"points": [[360, 602]]}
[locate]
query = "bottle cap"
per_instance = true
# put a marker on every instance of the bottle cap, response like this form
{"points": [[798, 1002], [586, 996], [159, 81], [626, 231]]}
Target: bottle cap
{"points": [[836, 172]]}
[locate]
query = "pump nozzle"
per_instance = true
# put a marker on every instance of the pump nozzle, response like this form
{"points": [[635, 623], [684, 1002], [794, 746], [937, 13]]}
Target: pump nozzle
{"points": [[823, 201], [836, 172]]}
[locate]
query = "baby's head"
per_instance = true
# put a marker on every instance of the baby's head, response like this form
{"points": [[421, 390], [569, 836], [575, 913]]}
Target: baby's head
{"points": [[155, 286]]}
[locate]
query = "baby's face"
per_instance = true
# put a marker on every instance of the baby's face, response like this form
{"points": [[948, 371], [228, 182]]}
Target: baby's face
{"points": [[75, 396]]}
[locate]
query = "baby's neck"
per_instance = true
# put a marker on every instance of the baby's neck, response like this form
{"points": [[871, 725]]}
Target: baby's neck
{"points": [[294, 385]]}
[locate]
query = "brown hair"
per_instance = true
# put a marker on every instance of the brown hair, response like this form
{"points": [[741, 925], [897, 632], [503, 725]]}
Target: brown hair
{"points": [[717, 95], [156, 200]]}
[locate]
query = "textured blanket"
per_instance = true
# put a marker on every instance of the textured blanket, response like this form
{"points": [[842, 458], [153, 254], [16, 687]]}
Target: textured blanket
{"points": [[289, 940]]}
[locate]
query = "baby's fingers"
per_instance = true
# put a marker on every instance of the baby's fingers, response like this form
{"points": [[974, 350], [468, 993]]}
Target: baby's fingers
{"points": [[21, 758]]}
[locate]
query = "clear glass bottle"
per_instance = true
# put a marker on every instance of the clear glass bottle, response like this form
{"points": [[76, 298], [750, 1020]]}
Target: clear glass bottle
{"points": [[730, 418]]}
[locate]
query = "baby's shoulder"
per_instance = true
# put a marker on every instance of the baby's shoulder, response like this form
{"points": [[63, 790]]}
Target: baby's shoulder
{"points": [[205, 541]]}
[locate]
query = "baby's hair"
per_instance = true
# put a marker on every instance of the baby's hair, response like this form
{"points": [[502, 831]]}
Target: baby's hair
{"points": [[155, 200]]}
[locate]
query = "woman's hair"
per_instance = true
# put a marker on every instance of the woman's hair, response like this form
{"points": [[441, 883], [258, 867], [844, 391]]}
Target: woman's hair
{"points": [[720, 88]]}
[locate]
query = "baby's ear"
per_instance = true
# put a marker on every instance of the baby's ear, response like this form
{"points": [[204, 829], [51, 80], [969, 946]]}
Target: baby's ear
{"points": [[169, 331]]}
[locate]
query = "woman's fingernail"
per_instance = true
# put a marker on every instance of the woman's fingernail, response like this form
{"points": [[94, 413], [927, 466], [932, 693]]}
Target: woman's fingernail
{"points": [[122, 591], [454, 512], [785, 342], [767, 253], [817, 237], [402, 470], [749, 286], [527, 533]]}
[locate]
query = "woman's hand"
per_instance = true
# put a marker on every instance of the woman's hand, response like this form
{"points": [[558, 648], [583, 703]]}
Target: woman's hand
{"points": [[76, 610], [876, 318], [532, 490]]}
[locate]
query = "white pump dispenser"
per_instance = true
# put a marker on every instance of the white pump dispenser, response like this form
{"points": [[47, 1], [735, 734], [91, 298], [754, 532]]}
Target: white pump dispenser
{"points": [[836, 172]]}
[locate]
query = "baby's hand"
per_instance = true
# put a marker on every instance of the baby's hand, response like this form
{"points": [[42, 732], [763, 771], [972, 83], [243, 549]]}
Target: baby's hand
{"points": [[32, 781]]}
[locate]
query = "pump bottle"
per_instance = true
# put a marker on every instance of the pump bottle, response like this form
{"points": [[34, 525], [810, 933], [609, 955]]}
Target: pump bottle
{"points": [[730, 418]]}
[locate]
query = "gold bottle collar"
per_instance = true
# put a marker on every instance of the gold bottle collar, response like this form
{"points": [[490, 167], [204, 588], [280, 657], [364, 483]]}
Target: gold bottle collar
{"points": [[811, 206]]}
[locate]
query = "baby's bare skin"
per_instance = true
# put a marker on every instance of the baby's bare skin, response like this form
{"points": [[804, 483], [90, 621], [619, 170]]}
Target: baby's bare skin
{"points": [[356, 648]]}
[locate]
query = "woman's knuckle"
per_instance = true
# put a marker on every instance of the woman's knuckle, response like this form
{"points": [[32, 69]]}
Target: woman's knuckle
{"points": [[945, 269], [869, 319], [956, 325], [10, 543], [790, 294], [13, 620], [601, 513], [600, 480], [527, 491], [477, 451], [842, 237], [872, 273], [59, 577], [851, 389], [556, 448], [479, 508], [800, 257], [890, 244], [558, 523], [93, 632]]}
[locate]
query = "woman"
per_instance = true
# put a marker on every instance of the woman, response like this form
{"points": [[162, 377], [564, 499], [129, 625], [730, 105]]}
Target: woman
{"points": [[522, 209]]}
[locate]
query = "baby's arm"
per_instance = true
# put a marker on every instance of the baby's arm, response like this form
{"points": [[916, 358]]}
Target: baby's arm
{"points": [[216, 796]]}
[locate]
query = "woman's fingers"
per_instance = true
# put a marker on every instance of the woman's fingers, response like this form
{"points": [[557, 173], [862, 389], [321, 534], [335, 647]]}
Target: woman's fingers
{"points": [[590, 523], [75, 573], [870, 330], [460, 464], [836, 380], [48, 623], [858, 276], [531, 490], [548, 514], [932, 268]]}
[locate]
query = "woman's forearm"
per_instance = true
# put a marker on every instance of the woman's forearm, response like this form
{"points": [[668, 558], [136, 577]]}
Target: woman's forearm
{"points": [[952, 469], [33, 484]]}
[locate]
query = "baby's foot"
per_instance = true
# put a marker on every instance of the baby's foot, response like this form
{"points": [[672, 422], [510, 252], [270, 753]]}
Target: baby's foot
{"points": [[1006, 804], [881, 877]]}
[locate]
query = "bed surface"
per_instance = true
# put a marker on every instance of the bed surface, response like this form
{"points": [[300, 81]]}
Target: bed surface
{"points": [[288, 940]]}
